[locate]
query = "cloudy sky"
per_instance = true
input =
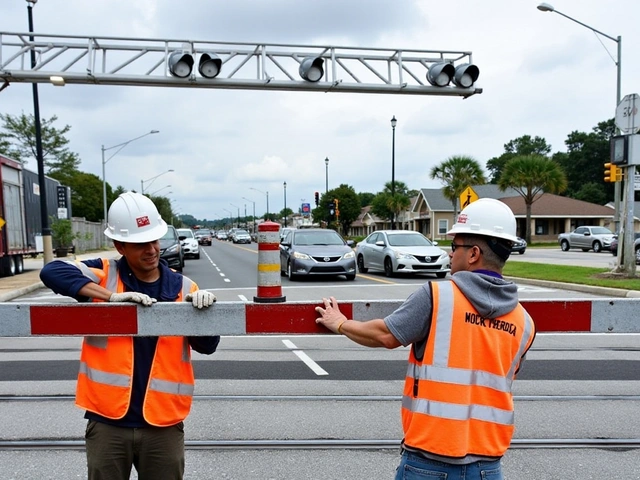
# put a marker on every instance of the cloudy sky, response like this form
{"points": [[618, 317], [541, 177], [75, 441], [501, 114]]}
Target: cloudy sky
{"points": [[541, 74]]}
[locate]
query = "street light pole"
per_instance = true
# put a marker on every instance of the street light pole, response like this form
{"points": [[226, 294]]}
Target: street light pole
{"points": [[254, 213], [326, 175], [151, 180], [285, 203], [47, 246], [625, 247], [393, 172], [267, 195], [238, 213], [120, 146]]}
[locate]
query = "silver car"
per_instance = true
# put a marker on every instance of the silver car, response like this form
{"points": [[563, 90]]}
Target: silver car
{"points": [[316, 252], [405, 251]]}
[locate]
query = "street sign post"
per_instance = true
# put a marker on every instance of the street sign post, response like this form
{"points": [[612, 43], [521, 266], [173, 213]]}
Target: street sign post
{"points": [[627, 117]]}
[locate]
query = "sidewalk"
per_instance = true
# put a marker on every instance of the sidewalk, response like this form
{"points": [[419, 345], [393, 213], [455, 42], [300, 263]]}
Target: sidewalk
{"points": [[29, 280]]}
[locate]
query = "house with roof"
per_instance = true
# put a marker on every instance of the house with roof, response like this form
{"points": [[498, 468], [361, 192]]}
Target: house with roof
{"points": [[433, 214]]}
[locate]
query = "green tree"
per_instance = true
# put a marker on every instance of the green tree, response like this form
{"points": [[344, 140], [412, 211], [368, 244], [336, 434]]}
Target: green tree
{"points": [[365, 198], [348, 205], [388, 206], [86, 195], [163, 204], [531, 176], [524, 145], [457, 173], [18, 141], [585, 158]]}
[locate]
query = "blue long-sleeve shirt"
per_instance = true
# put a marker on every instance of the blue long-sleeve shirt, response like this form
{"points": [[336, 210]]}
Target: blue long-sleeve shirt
{"points": [[66, 279]]}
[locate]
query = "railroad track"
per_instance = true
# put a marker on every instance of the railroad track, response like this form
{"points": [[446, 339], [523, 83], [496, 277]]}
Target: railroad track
{"points": [[343, 444]]}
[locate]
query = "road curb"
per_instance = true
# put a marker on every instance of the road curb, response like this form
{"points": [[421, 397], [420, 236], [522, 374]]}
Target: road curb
{"points": [[18, 292], [612, 292]]}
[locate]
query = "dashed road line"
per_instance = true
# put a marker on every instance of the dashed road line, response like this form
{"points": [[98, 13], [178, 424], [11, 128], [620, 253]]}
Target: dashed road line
{"points": [[317, 369]]}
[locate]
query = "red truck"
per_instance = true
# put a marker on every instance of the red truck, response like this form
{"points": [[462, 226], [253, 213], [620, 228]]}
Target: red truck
{"points": [[20, 220]]}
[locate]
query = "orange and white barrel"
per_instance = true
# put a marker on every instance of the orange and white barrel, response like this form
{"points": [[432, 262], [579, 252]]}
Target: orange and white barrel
{"points": [[269, 282]]}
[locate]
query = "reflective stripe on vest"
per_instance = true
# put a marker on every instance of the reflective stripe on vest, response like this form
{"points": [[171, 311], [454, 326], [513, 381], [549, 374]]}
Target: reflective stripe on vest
{"points": [[451, 407], [106, 368]]}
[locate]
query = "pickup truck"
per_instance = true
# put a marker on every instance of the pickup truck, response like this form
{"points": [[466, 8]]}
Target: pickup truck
{"points": [[587, 238]]}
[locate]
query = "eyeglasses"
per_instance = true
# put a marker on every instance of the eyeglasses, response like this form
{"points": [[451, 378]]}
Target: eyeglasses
{"points": [[454, 246]]}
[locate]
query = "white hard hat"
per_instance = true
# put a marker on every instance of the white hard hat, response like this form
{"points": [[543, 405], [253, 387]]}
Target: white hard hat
{"points": [[488, 217], [133, 218]]}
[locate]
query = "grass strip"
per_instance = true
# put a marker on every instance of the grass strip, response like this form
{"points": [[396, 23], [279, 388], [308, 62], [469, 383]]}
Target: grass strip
{"points": [[599, 277]]}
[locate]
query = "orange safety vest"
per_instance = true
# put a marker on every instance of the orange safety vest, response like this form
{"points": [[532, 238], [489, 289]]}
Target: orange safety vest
{"points": [[106, 367], [457, 398]]}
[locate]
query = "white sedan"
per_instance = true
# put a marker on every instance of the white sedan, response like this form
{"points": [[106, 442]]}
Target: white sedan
{"points": [[404, 251], [189, 243]]}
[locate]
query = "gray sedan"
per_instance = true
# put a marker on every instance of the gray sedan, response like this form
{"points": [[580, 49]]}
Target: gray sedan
{"points": [[316, 252], [405, 251]]}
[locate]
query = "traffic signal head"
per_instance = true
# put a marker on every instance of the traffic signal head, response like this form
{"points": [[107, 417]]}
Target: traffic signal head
{"points": [[612, 173], [440, 74], [311, 69], [180, 63], [466, 75], [209, 65], [317, 199]]}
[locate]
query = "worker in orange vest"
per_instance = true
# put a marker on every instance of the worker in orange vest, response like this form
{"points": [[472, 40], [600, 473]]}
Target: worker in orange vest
{"points": [[468, 338], [136, 391]]}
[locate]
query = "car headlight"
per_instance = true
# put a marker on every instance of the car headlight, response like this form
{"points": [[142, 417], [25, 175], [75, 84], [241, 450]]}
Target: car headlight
{"points": [[349, 255], [400, 255], [443, 255], [301, 256], [173, 249]]}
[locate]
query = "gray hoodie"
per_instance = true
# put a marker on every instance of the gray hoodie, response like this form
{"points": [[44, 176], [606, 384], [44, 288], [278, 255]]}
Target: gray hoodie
{"points": [[491, 296]]}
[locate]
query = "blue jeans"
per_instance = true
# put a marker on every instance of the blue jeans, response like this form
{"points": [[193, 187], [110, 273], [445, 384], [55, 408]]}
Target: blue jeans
{"points": [[417, 467]]}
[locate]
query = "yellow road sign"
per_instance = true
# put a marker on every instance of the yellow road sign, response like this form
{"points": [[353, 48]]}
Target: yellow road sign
{"points": [[2, 222], [467, 197]]}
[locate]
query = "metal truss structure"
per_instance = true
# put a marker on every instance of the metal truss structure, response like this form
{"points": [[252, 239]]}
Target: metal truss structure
{"points": [[66, 59]]}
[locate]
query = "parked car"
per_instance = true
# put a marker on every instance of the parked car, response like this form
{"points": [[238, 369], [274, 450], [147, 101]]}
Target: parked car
{"points": [[241, 236], [221, 235], [520, 246], [171, 250], [316, 252], [406, 251], [586, 238], [636, 246], [203, 237], [189, 243]]}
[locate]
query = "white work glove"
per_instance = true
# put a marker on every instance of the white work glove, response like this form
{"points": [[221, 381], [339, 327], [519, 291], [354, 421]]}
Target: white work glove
{"points": [[200, 298], [134, 297]]}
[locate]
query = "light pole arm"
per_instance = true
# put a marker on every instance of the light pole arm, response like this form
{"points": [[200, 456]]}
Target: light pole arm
{"points": [[587, 26]]}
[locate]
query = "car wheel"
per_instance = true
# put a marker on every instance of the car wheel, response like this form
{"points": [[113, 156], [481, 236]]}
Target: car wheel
{"points": [[441, 274], [351, 277], [521, 252], [290, 272], [597, 247], [564, 246], [361, 267], [637, 255], [388, 267], [198, 256]]}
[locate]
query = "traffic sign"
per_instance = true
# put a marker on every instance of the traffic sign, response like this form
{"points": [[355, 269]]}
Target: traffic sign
{"points": [[467, 197], [627, 118]]}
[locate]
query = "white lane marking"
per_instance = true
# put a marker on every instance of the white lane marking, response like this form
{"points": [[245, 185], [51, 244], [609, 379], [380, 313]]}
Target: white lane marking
{"points": [[227, 280], [305, 358], [243, 298]]}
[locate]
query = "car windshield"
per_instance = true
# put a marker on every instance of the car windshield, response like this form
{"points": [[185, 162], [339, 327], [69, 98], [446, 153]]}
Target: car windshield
{"points": [[408, 240], [601, 231], [242, 232], [185, 232], [170, 235], [317, 238]]}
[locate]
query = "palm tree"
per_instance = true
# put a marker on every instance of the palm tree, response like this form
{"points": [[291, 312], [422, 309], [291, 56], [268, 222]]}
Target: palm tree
{"points": [[388, 206], [531, 176], [458, 173]]}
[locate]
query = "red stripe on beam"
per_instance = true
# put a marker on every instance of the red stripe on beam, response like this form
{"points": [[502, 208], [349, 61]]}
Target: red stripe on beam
{"points": [[287, 318], [560, 316], [269, 292], [268, 246], [90, 320]]}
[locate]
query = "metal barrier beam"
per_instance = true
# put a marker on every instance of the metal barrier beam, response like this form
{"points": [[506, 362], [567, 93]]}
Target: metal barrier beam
{"points": [[292, 318]]}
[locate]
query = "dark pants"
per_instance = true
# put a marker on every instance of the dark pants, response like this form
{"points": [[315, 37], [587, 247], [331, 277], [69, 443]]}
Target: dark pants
{"points": [[156, 452]]}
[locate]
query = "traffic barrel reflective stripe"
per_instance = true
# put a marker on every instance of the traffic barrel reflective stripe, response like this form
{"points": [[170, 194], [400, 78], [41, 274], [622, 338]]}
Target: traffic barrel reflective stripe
{"points": [[269, 282]]}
